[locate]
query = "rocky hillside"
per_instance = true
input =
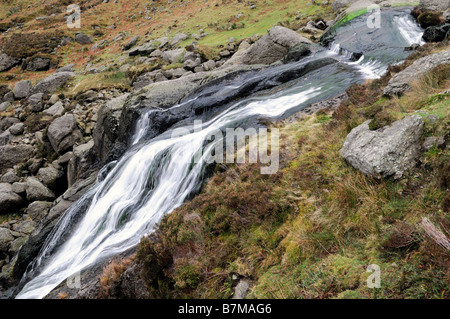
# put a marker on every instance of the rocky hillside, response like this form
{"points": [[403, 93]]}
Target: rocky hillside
{"points": [[70, 98]]}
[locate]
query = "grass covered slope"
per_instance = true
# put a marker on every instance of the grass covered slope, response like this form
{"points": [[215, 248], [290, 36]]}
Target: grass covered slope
{"points": [[312, 229]]}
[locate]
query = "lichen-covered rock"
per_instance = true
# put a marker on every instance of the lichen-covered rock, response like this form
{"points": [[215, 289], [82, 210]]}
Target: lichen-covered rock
{"points": [[388, 151], [7, 62], [401, 82]]}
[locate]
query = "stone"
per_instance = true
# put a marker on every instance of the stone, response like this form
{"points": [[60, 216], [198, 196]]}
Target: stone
{"points": [[79, 161], [436, 33], [66, 68], [386, 152], [83, 38], [4, 106], [49, 176], [7, 62], [10, 177], [178, 38], [273, 46], [36, 191], [53, 99], [38, 64], [401, 82], [7, 122], [22, 89], [26, 227], [19, 188], [63, 133], [209, 65], [35, 101], [131, 43], [173, 56], [6, 238], [241, 289], [11, 155], [38, 209], [53, 82], [446, 15], [17, 129], [56, 109], [145, 49], [10, 202], [296, 53]]}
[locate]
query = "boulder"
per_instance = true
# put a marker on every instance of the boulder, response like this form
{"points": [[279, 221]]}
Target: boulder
{"points": [[4, 106], [53, 82], [7, 62], [145, 49], [297, 52], [7, 122], [436, 33], [273, 46], [38, 209], [56, 109], [22, 89], [63, 133], [386, 152], [447, 16], [10, 202], [38, 64], [401, 82], [83, 38], [17, 129], [10, 177], [37, 191], [11, 155], [131, 43], [6, 238], [173, 56], [79, 161], [35, 102], [434, 5], [49, 176], [241, 289], [178, 38]]}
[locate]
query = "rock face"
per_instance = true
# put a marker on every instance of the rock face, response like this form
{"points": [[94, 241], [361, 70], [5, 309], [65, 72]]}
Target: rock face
{"points": [[434, 5], [51, 83], [11, 155], [273, 46], [389, 151], [38, 64], [22, 89], [401, 82], [106, 130], [63, 133], [7, 62]]}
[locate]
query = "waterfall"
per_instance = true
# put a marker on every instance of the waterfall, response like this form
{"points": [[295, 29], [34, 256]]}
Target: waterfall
{"points": [[156, 176]]}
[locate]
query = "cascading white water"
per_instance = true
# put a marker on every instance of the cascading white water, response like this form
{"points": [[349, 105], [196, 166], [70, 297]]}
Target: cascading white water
{"points": [[409, 29], [153, 178]]}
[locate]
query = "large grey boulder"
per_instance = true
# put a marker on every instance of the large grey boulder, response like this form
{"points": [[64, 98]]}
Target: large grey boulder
{"points": [[37, 191], [434, 5], [7, 62], [35, 102], [401, 82], [388, 151], [178, 38], [10, 202], [53, 82], [49, 176], [22, 89], [56, 109], [63, 133], [11, 155], [273, 46], [38, 64], [145, 49]]}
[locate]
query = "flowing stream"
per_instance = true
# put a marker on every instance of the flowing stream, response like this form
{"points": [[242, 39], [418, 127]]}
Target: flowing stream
{"points": [[156, 176]]}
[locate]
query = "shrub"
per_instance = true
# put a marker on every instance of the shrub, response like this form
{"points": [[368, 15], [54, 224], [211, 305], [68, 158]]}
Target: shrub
{"points": [[428, 19]]}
